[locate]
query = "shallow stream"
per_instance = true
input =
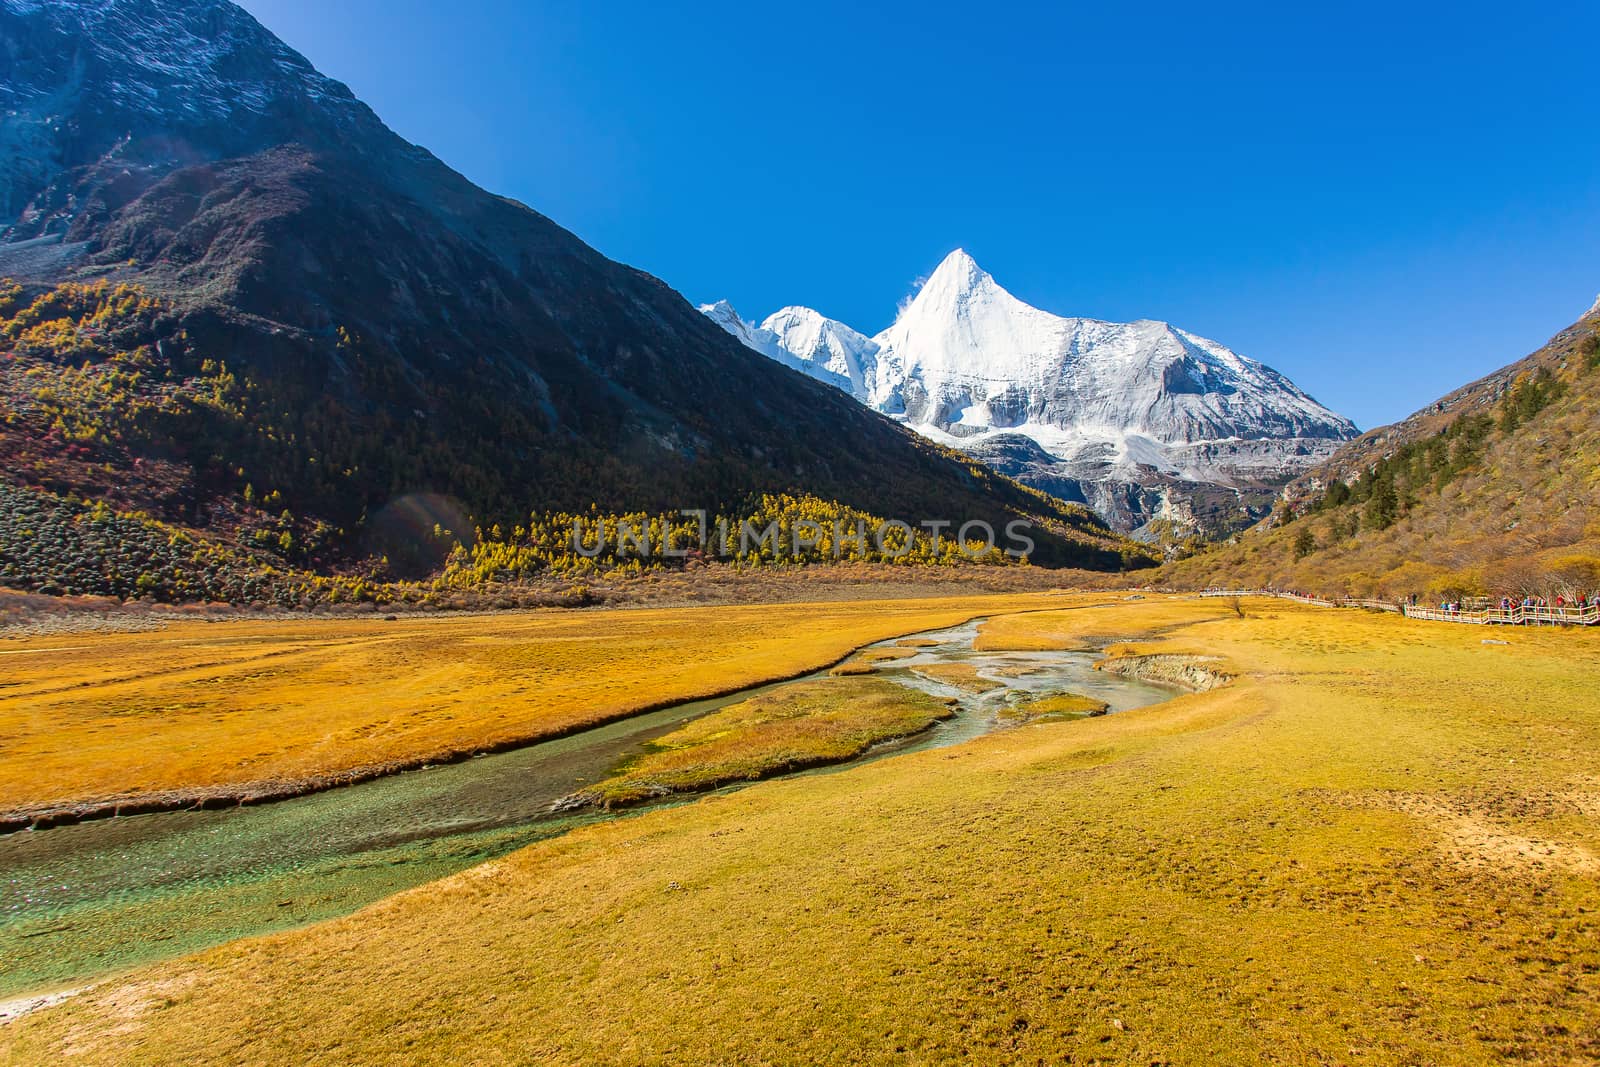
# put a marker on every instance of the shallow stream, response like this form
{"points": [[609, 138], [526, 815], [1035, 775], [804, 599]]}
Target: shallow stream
{"points": [[80, 901]]}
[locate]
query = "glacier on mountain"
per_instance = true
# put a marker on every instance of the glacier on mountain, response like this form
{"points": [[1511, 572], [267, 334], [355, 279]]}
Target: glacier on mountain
{"points": [[1140, 420]]}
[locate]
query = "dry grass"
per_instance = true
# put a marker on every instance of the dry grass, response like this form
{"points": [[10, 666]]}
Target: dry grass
{"points": [[853, 669], [1093, 629], [883, 655], [1060, 706], [231, 705], [808, 724], [960, 675], [1225, 878], [868, 660], [723, 584]]}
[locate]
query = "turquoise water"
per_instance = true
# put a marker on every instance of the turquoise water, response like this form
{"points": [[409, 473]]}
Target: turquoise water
{"points": [[81, 901]]}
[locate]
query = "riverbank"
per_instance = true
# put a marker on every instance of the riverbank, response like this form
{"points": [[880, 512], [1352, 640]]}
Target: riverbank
{"points": [[796, 727], [228, 713], [78, 902], [1378, 838]]}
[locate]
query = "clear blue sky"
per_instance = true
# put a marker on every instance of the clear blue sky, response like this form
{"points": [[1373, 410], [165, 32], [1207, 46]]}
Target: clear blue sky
{"points": [[1383, 201]]}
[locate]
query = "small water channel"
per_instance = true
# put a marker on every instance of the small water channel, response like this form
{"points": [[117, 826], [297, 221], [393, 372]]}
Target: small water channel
{"points": [[79, 901]]}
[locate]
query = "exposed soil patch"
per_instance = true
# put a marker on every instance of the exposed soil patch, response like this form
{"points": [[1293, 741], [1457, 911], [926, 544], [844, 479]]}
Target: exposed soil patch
{"points": [[1473, 839], [1196, 673]]}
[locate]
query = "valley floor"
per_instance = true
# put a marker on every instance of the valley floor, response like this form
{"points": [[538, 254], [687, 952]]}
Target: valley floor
{"points": [[223, 711], [1378, 842]]}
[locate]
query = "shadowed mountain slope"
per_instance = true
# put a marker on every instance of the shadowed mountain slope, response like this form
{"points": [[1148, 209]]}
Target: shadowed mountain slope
{"points": [[371, 329]]}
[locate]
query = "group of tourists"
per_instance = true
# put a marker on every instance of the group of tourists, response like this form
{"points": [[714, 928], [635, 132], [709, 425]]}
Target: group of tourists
{"points": [[1576, 602], [1559, 608], [1581, 609], [1579, 602]]}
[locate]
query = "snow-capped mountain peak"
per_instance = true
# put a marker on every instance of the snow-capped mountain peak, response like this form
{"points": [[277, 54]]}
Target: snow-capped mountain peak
{"points": [[725, 315], [808, 347], [956, 275], [1103, 403], [826, 345], [962, 322]]}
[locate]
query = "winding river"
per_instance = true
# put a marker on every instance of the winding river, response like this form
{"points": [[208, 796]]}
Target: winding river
{"points": [[81, 901]]}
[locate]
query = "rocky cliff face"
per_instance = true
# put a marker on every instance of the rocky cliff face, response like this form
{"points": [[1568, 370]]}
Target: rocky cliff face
{"points": [[1141, 420]]}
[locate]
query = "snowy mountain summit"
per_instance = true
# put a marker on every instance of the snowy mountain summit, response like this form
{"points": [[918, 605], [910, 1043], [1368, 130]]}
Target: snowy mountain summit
{"points": [[1140, 420]]}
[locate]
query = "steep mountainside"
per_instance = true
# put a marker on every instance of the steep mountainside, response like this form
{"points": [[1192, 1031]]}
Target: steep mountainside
{"points": [[1493, 490], [1479, 397], [327, 317], [1140, 420]]}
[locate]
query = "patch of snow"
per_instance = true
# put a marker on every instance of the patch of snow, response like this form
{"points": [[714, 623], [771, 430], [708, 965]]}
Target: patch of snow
{"points": [[769, 344], [182, 58], [827, 344]]}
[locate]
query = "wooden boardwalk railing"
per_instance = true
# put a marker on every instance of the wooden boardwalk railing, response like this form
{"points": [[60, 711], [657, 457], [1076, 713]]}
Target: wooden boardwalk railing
{"points": [[1513, 616], [1516, 615]]}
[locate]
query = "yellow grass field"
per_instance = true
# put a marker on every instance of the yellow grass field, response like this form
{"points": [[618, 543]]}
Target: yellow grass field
{"points": [[807, 724], [230, 706], [1380, 844]]}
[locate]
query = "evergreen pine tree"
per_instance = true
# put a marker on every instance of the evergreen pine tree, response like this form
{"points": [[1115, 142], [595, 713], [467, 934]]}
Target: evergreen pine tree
{"points": [[1383, 506]]}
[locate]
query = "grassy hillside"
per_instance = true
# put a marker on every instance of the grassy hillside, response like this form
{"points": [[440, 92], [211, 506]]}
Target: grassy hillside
{"points": [[1494, 490], [1318, 863]]}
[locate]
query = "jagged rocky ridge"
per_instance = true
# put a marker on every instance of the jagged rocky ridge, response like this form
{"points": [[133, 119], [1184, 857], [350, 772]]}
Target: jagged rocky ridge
{"points": [[1139, 420]]}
